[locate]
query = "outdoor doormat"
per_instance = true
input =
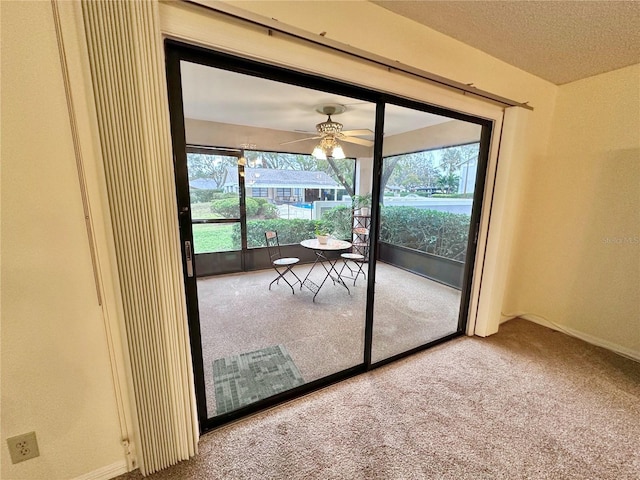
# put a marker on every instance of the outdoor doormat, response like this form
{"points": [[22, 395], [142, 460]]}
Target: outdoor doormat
{"points": [[246, 378]]}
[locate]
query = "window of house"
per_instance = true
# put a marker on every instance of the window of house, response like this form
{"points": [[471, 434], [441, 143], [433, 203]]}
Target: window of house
{"points": [[259, 192]]}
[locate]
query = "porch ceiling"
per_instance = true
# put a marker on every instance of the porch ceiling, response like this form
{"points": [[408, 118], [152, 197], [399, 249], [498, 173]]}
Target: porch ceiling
{"points": [[227, 97]]}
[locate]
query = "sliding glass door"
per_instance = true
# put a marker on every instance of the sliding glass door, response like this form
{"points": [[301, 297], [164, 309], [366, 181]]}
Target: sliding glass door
{"points": [[374, 202], [425, 239], [258, 155]]}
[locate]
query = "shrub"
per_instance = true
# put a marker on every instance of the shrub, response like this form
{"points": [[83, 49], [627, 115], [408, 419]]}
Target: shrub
{"points": [[289, 231], [268, 210], [227, 207], [201, 196], [230, 208], [439, 233], [220, 195], [337, 221], [252, 206]]}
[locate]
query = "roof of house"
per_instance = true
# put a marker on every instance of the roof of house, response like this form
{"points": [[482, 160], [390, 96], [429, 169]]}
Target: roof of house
{"points": [[203, 184], [276, 178], [270, 178]]}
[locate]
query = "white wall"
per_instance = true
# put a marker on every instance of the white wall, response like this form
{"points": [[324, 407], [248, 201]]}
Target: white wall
{"points": [[576, 263], [56, 378]]}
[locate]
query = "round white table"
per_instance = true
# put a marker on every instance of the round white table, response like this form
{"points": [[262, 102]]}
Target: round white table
{"points": [[332, 245]]}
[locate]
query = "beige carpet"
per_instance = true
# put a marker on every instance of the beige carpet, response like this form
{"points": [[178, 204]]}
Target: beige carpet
{"points": [[526, 403], [239, 314]]}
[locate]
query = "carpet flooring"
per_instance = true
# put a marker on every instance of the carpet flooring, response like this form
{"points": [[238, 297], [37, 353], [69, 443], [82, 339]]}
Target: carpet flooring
{"points": [[239, 314], [526, 403]]}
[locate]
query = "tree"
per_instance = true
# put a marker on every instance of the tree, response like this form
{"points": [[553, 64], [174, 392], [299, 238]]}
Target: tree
{"points": [[448, 182], [265, 159], [342, 172], [453, 159], [388, 166], [450, 162], [281, 161], [209, 166], [423, 165], [412, 170], [411, 182]]}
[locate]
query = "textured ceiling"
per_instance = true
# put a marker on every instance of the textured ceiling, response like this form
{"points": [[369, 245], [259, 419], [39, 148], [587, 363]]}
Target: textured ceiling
{"points": [[560, 41]]}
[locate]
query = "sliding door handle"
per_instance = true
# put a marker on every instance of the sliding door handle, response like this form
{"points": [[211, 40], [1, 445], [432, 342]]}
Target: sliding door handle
{"points": [[188, 255]]}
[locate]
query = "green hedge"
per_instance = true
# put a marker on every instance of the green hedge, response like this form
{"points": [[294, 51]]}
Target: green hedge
{"points": [[204, 195], [337, 222], [439, 233], [227, 207], [256, 207], [289, 231], [266, 209]]}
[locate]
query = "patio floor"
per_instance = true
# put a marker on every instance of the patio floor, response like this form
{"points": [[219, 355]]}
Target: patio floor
{"points": [[239, 314]]}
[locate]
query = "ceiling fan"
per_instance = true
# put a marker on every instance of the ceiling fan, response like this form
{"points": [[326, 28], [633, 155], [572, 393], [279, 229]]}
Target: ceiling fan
{"points": [[329, 132]]}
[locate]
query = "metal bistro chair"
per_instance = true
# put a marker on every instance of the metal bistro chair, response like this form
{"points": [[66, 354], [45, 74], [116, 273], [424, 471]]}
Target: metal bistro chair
{"points": [[280, 264], [353, 262], [357, 257]]}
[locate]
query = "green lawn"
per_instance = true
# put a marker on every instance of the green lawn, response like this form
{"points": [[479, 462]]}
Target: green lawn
{"points": [[202, 211], [214, 237], [210, 237]]}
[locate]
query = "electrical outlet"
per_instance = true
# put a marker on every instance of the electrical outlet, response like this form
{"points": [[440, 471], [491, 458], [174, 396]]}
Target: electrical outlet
{"points": [[23, 447]]}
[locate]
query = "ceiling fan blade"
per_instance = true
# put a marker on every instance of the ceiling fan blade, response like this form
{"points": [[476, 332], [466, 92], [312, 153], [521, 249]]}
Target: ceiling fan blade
{"points": [[364, 131], [300, 140], [359, 141]]}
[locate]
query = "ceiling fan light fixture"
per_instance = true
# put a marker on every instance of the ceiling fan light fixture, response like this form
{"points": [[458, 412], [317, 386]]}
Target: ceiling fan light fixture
{"points": [[338, 153], [318, 153], [328, 147], [329, 127]]}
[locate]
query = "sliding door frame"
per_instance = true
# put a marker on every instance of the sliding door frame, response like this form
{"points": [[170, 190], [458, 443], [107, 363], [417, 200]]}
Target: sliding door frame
{"points": [[178, 51], [474, 223]]}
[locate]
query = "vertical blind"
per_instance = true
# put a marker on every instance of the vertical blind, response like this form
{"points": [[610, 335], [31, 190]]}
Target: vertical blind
{"points": [[126, 59]]}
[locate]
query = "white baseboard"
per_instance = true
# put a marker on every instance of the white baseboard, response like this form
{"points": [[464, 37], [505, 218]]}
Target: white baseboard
{"points": [[105, 473], [614, 347]]}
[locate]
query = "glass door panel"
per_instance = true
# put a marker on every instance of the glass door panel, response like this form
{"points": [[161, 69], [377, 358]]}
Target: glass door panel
{"points": [[428, 181], [260, 339]]}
